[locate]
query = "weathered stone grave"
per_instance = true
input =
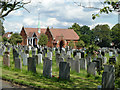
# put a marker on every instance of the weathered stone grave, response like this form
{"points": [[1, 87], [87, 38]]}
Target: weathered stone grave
{"points": [[25, 61], [64, 70], [47, 67], [31, 64], [83, 64], [6, 59], [91, 68], [75, 66], [18, 63], [108, 77], [49, 55], [39, 58]]}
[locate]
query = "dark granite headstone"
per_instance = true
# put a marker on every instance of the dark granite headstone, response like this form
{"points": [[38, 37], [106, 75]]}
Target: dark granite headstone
{"points": [[64, 70], [32, 64]]}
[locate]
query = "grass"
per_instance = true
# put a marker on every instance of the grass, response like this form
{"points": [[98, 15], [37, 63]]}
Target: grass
{"points": [[77, 80]]}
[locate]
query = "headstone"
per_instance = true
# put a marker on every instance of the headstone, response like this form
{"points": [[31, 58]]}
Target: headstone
{"points": [[56, 58], [60, 59], [47, 67], [15, 54], [79, 54], [75, 66], [25, 61], [91, 68], [6, 59], [49, 55], [18, 63], [64, 70], [83, 64], [69, 53], [104, 60], [33, 52], [36, 58], [108, 77], [39, 58], [110, 53], [32, 64]]}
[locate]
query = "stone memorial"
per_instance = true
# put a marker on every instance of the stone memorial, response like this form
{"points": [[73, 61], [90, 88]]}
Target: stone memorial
{"points": [[6, 59], [91, 68], [31, 64], [39, 58], [83, 64], [25, 56], [64, 70], [18, 63], [49, 55], [47, 67]]}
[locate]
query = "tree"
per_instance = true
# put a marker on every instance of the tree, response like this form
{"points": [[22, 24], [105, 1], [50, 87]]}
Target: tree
{"points": [[15, 38], [80, 44], [2, 31], [116, 35], [5, 39], [1, 39], [102, 35], [76, 28], [71, 44], [108, 6], [43, 40], [7, 6], [86, 39]]}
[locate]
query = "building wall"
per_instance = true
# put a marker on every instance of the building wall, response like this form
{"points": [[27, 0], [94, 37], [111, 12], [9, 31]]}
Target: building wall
{"points": [[24, 36]]}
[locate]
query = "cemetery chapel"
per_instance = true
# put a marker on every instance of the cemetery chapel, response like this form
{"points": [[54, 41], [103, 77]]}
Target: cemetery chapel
{"points": [[56, 37]]}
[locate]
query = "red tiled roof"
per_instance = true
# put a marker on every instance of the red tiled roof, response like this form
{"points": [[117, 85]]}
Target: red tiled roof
{"points": [[30, 31], [68, 34], [6, 35]]}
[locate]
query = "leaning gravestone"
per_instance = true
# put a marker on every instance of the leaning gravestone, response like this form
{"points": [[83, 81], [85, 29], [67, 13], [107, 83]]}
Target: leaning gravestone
{"points": [[91, 68], [108, 77], [18, 63], [6, 59], [64, 70], [75, 66], [47, 67], [32, 64]]}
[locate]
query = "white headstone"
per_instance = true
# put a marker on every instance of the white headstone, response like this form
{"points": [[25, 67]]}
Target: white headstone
{"points": [[39, 58], [79, 55], [25, 56], [110, 53], [49, 55]]}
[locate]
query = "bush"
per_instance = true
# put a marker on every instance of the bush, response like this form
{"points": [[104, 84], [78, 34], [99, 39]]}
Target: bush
{"points": [[80, 44], [71, 44]]}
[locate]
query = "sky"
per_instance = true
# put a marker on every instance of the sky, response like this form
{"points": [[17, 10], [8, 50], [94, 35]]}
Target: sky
{"points": [[57, 14]]}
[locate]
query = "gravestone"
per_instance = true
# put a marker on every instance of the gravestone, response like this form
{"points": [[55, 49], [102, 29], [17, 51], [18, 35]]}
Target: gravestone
{"points": [[36, 58], [69, 53], [108, 77], [47, 67], [39, 58], [79, 54], [33, 52], [56, 58], [64, 70], [75, 66], [31, 64], [69, 60], [25, 61], [104, 60], [60, 59], [18, 63], [49, 55], [15, 54], [91, 68], [110, 53], [6, 59], [83, 64]]}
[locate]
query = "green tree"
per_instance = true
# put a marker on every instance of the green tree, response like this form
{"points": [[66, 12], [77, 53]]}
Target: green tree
{"points": [[2, 31], [7, 6], [116, 35], [15, 38], [80, 44], [86, 39], [76, 28], [71, 44], [1, 39], [43, 40], [102, 35], [5, 39]]}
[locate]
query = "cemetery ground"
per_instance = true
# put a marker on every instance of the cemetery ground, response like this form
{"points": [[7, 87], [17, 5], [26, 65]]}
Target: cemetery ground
{"points": [[37, 80]]}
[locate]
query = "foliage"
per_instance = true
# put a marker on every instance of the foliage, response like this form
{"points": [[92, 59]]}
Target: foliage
{"points": [[43, 40], [80, 44], [8, 6], [116, 35], [2, 31], [71, 44], [102, 35], [86, 39], [1, 39], [5, 39], [15, 38]]}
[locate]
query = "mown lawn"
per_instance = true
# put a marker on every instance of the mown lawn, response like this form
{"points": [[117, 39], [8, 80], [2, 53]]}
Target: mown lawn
{"points": [[77, 80]]}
